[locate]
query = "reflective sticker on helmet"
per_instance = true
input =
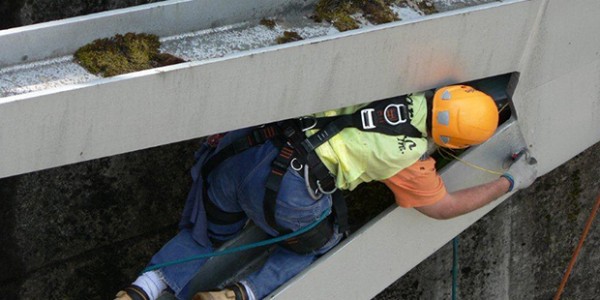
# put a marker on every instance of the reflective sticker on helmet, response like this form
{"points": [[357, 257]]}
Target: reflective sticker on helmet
{"points": [[443, 117], [446, 95], [445, 139]]}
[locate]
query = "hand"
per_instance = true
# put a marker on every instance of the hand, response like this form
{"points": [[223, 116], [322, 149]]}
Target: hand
{"points": [[522, 173]]}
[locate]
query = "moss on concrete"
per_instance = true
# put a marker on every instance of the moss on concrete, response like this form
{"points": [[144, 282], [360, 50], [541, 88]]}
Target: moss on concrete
{"points": [[427, 7], [269, 23], [123, 54], [288, 36], [339, 12], [378, 12]]}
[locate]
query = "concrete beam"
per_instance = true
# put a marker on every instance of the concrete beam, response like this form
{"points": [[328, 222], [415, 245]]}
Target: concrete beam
{"points": [[558, 96], [552, 44], [63, 37], [155, 107], [557, 103]]}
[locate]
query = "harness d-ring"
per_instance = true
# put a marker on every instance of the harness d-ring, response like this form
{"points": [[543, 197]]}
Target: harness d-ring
{"points": [[297, 169]]}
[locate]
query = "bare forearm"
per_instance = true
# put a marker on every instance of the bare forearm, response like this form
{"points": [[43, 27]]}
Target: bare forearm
{"points": [[467, 200], [470, 199]]}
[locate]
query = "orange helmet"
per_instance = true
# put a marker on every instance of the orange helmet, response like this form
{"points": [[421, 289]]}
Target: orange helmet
{"points": [[462, 116]]}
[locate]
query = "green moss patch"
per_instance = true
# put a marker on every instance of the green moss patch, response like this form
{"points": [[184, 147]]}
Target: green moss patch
{"points": [[123, 54], [339, 12], [269, 23], [425, 6], [289, 36]]}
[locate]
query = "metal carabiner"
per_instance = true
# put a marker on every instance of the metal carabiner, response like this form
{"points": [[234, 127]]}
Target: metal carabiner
{"points": [[313, 194], [313, 125], [325, 192]]}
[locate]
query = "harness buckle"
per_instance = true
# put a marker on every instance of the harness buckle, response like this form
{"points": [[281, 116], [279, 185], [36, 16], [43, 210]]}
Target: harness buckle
{"points": [[311, 126]]}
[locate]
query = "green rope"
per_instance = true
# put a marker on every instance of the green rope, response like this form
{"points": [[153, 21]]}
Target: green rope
{"points": [[242, 247]]}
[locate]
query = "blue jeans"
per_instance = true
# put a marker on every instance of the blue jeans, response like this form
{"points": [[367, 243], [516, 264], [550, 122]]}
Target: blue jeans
{"points": [[236, 185]]}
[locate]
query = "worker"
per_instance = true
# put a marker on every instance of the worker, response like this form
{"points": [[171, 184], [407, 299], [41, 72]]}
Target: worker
{"points": [[284, 176]]}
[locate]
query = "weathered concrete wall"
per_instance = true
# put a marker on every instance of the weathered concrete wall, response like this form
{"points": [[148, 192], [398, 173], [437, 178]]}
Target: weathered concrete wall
{"points": [[85, 230], [522, 248]]}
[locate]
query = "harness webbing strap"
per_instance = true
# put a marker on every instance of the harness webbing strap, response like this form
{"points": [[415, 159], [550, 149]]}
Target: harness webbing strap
{"points": [[340, 209], [218, 216], [278, 169], [258, 136], [389, 116], [296, 137]]}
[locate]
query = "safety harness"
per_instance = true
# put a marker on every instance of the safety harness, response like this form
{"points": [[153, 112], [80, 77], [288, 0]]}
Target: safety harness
{"points": [[390, 116]]}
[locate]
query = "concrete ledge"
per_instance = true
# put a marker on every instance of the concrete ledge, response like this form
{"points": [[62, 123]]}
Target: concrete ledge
{"points": [[135, 111], [47, 40]]}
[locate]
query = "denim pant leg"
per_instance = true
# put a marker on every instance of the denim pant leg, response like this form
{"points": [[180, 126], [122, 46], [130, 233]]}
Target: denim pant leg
{"points": [[294, 209], [185, 245], [179, 247], [281, 266]]}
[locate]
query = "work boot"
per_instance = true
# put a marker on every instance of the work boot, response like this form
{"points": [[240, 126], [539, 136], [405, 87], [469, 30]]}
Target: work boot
{"points": [[132, 292], [235, 292]]}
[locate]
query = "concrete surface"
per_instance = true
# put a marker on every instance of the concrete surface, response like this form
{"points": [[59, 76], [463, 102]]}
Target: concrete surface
{"points": [[522, 248], [103, 117], [83, 231]]}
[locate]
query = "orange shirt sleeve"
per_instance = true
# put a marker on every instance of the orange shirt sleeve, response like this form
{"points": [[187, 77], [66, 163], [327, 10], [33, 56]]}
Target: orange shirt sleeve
{"points": [[417, 185]]}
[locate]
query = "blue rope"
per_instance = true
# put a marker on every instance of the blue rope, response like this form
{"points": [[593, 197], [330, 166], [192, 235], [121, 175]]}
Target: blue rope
{"points": [[242, 247], [454, 267]]}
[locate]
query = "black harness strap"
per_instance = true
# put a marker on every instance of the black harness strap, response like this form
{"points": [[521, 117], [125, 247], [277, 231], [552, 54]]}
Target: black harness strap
{"points": [[390, 116], [278, 170], [324, 180], [258, 136], [317, 237], [340, 209], [313, 239], [218, 216]]}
